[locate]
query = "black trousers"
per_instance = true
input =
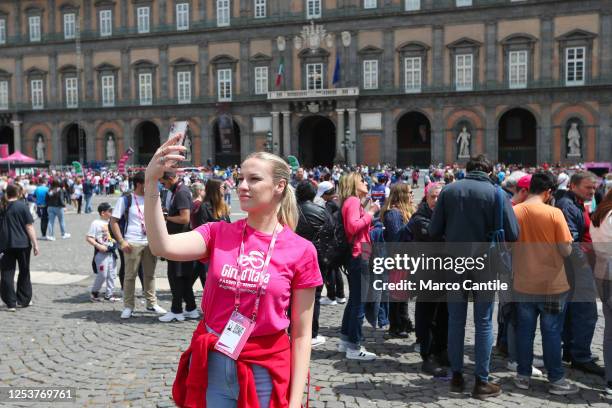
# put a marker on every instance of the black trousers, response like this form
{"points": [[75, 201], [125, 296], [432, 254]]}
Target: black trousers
{"points": [[12, 258], [180, 276], [334, 284], [399, 321], [44, 219], [316, 312], [431, 321], [79, 204], [199, 272], [122, 270]]}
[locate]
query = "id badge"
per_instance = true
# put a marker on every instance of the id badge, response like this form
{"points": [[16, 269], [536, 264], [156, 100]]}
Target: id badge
{"points": [[235, 335]]}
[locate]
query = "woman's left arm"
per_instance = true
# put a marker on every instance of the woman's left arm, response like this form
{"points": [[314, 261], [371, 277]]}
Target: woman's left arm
{"points": [[302, 306]]}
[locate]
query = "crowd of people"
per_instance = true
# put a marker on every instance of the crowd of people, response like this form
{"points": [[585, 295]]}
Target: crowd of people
{"points": [[319, 224]]}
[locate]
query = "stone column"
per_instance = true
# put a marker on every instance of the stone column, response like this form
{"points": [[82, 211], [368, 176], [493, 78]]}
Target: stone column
{"points": [[288, 63], [16, 134], [203, 67], [491, 53], [87, 15], [438, 56], [17, 18], [128, 140], [388, 68], [163, 12], [339, 136], [275, 132], [56, 142], [163, 72], [123, 17], [88, 73], [389, 139], [51, 21], [605, 44], [125, 74], [53, 96], [202, 7], [437, 136], [206, 141], [547, 33], [604, 142], [19, 80], [352, 153], [491, 134], [286, 133], [90, 142], [245, 78], [544, 141]]}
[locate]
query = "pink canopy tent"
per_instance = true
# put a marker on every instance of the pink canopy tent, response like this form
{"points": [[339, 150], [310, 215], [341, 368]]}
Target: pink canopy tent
{"points": [[18, 157]]}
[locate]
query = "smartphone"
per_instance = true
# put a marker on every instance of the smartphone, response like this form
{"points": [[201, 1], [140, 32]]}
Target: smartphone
{"points": [[182, 128]]}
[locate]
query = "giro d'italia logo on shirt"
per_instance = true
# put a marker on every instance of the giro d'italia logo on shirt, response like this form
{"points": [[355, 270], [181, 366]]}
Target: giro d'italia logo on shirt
{"points": [[251, 268]]}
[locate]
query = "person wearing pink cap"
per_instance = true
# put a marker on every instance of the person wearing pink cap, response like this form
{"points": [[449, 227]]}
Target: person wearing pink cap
{"points": [[522, 190]]}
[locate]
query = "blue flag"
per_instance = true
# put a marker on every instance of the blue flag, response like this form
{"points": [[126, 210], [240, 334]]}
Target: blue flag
{"points": [[336, 79]]}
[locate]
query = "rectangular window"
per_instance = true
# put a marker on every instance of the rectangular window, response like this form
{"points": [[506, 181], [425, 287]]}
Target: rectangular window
{"points": [[108, 90], [574, 66], [143, 19], [106, 23], [145, 86], [182, 16], [72, 93], [261, 80], [223, 13], [34, 23], [260, 8], [463, 72], [313, 9], [369, 4], [224, 84], [517, 69], [463, 3], [4, 95], [314, 76], [36, 87], [2, 31], [413, 5], [370, 74], [183, 81], [69, 26], [412, 74]]}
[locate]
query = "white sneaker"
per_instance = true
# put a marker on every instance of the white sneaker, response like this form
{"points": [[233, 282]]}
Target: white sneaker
{"points": [[157, 309], [194, 314], [538, 362], [513, 366], [341, 301], [342, 346], [325, 301], [317, 341], [127, 313], [361, 354], [170, 317], [50, 238], [66, 236]]}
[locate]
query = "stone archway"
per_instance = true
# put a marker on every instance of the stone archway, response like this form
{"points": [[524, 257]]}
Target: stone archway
{"points": [[146, 137], [74, 148], [6, 137], [317, 141], [413, 140], [226, 133], [517, 133]]}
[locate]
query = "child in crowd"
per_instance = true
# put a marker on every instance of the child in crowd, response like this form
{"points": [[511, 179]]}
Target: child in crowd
{"points": [[104, 257]]}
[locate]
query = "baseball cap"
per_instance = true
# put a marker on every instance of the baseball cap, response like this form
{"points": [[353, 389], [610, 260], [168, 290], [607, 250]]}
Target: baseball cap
{"points": [[323, 187], [524, 182], [104, 207]]}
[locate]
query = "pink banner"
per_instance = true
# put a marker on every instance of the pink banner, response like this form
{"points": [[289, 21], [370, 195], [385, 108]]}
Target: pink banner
{"points": [[124, 159]]}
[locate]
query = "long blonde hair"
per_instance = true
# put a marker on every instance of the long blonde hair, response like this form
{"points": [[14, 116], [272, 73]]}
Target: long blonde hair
{"points": [[347, 186], [401, 199], [287, 210]]}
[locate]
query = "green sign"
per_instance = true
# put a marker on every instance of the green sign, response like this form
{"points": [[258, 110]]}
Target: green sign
{"points": [[77, 167], [293, 162]]}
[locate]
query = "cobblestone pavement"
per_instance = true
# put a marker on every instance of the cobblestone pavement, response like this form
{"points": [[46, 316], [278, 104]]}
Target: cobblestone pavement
{"points": [[65, 340]]}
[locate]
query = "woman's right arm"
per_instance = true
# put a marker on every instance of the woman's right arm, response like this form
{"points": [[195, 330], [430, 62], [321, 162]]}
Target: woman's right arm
{"points": [[354, 221], [187, 246]]}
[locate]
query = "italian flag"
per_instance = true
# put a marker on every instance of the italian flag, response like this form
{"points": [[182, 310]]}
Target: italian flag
{"points": [[281, 72]]}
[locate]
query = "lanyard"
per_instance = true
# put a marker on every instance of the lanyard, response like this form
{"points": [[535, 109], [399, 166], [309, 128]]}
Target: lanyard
{"points": [[140, 214], [261, 286]]}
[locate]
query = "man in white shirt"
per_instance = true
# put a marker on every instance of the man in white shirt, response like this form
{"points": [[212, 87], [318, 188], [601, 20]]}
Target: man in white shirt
{"points": [[131, 235]]}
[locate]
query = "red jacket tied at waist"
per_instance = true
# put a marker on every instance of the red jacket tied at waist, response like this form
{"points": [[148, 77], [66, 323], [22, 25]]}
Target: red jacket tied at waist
{"points": [[272, 352]]}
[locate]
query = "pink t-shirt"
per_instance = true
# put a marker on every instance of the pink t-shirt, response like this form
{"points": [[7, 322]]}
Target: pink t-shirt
{"points": [[293, 266]]}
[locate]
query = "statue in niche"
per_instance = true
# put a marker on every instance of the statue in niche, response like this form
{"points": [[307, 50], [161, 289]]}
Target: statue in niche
{"points": [[463, 140], [573, 141], [189, 147], [40, 149], [110, 149]]}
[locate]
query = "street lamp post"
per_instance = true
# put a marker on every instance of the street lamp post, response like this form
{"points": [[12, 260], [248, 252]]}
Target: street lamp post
{"points": [[347, 144]]}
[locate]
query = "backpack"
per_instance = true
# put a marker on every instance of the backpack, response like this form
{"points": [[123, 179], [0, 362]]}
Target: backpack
{"points": [[123, 221], [333, 247]]}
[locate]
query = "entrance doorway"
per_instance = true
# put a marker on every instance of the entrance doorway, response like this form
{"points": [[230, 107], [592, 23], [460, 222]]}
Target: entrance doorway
{"points": [[147, 140], [517, 137], [413, 140], [227, 141], [317, 141], [74, 144], [6, 137]]}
